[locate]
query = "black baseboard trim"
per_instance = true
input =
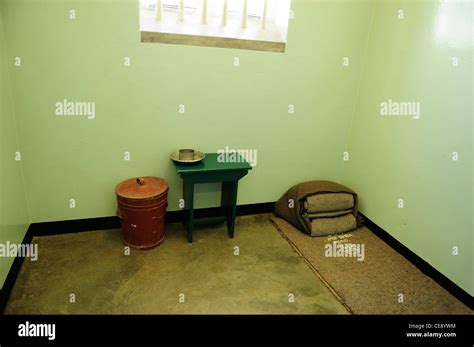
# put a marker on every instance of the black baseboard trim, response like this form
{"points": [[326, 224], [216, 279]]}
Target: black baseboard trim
{"points": [[113, 222], [421, 264], [242, 210], [104, 223], [74, 226], [13, 274]]}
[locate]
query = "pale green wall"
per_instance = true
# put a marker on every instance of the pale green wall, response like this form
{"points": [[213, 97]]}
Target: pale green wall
{"points": [[13, 211], [137, 106], [393, 158]]}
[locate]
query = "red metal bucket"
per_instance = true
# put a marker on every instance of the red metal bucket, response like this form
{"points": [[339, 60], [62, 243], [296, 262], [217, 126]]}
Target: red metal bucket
{"points": [[141, 208]]}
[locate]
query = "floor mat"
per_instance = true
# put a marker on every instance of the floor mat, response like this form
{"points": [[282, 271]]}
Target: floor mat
{"points": [[380, 282]]}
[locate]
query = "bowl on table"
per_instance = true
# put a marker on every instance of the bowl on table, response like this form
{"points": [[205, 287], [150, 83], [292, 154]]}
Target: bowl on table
{"points": [[187, 156]]}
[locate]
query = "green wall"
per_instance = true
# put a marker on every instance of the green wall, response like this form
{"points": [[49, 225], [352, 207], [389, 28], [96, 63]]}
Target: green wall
{"points": [[14, 219], [137, 106], [395, 158]]}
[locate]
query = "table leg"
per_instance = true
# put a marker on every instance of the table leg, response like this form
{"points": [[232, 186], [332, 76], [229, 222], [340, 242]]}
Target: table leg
{"points": [[188, 196], [229, 204]]}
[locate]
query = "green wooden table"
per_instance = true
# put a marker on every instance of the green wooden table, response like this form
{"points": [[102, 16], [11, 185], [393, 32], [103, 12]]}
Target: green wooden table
{"points": [[207, 171]]}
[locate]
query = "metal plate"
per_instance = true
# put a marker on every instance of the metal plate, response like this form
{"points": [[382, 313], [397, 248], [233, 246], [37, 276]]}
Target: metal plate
{"points": [[198, 156]]}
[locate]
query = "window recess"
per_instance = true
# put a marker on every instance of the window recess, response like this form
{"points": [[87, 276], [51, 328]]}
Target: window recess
{"points": [[243, 24]]}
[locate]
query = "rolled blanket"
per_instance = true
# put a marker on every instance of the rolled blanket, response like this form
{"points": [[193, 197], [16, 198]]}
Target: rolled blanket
{"points": [[327, 214], [291, 205], [332, 225], [329, 202]]}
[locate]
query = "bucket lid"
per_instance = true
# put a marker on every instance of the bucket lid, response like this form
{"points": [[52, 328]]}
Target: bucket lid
{"points": [[141, 188]]}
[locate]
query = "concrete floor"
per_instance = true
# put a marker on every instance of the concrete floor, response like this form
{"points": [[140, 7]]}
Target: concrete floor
{"points": [[93, 267]]}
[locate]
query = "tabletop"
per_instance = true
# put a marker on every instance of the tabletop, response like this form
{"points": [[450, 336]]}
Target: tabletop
{"points": [[211, 163]]}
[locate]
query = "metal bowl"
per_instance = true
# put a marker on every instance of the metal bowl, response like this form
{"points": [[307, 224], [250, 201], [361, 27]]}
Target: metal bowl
{"points": [[186, 154], [198, 156]]}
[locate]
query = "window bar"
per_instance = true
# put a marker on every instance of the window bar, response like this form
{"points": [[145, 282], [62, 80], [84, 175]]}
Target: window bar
{"points": [[204, 12], [224, 14], [158, 9], [264, 15], [181, 11], [244, 15]]}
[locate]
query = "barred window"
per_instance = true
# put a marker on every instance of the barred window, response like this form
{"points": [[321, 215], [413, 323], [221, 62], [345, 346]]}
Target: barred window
{"points": [[246, 24]]}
